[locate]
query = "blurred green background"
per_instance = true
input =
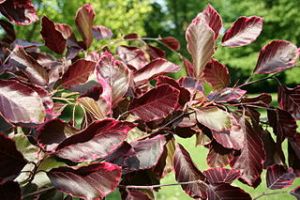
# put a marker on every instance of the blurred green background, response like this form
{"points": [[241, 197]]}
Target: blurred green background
{"points": [[171, 17]]}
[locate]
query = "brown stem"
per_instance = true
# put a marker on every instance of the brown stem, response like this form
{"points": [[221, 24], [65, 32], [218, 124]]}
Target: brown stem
{"points": [[37, 192], [268, 194], [255, 81]]}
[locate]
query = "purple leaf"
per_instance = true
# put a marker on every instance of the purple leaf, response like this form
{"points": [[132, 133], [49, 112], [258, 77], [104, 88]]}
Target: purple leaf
{"points": [[250, 162], [296, 192], [218, 156], [186, 170], [200, 43], [227, 95], [213, 19], [84, 21], [289, 100], [244, 31], [225, 191], [133, 56], [94, 181], [294, 153], [221, 175], [171, 43], [19, 12], [157, 67], [279, 177], [11, 160], [263, 99], [10, 35], [101, 32], [96, 141], [53, 38], [155, 52], [29, 66], [10, 191], [276, 56], [189, 67], [19, 103], [115, 74], [216, 74], [135, 194], [78, 73], [155, 104]]}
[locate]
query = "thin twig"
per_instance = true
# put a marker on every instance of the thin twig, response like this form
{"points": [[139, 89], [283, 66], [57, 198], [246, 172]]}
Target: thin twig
{"points": [[256, 81], [268, 194], [37, 192]]}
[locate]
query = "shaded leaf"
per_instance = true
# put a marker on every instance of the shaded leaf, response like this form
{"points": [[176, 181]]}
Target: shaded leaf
{"points": [[276, 56], [213, 19], [296, 192], [289, 100], [171, 43], [98, 109], [11, 160], [19, 12], [294, 154], [10, 35], [218, 156], [10, 191], [216, 74], [157, 67], [244, 31], [133, 56], [263, 99], [78, 73], [19, 103], [224, 191], [155, 104], [279, 177], [135, 194], [221, 175], [200, 43], [101, 32], [94, 181], [96, 141], [186, 170]]}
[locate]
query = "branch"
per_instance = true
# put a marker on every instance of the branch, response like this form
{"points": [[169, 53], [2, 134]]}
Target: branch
{"points": [[268, 194], [37, 192], [256, 81]]}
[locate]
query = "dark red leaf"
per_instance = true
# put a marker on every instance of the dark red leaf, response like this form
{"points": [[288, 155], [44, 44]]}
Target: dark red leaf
{"points": [[294, 154], [29, 66], [186, 170], [155, 52], [279, 177], [189, 67], [276, 56], [250, 162], [244, 31], [10, 35], [263, 99], [227, 95], [11, 160], [213, 19], [289, 100], [171, 43], [221, 175], [133, 56], [10, 191], [19, 103], [135, 194], [216, 74], [84, 21], [19, 12], [94, 181], [155, 104], [65, 30], [296, 192], [96, 141], [131, 36], [101, 32], [224, 191], [53, 38], [200, 43], [157, 67], [218, 156], [78, 73]]}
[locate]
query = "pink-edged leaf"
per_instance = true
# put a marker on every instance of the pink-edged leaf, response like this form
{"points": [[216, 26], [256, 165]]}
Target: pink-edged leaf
{"points": [[296, 192], [101, 32], [189, 67], [52, 133], [11, 160], [53, 38], [186, 170], [214, 118], [10, 191], [133, 56], [213, 19], [250, 162], [29, 66], [96, 141], [116, 74], [221, 175], [283, 124], [157, 67], [218, 156], [19, 12], [171, 43], [20, 104], [78, 73], [216, 74], [279, 177], [94, 181], [227, 95], [200, 43], [84, 21], [224, 191], [289, 100], [64, 29], [276, 56], [244, 31], [155, 104]]}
